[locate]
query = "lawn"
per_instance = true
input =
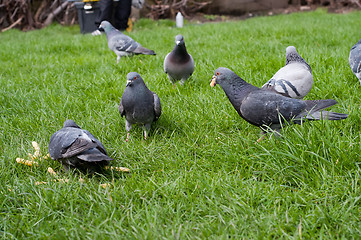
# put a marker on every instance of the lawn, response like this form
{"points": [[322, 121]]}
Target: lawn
{"points": [[199, 175]]}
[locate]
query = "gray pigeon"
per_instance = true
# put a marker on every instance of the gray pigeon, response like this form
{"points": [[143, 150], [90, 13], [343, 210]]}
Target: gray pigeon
{"points": [[178, 64], [265, 109], [121, 44], [78, 148], [295, 79], [138, 104], [355, 60]]}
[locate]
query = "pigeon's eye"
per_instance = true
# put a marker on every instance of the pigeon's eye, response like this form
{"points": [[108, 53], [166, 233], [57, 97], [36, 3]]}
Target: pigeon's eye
{"points": [[135, 77], [217, 73]]}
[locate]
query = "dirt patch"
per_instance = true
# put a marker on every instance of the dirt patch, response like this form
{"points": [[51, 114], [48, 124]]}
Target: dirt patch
{"points": [[202, 17]]}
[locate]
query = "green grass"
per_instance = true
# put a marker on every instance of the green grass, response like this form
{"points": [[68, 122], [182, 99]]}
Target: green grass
{"points": [[199, 175]]}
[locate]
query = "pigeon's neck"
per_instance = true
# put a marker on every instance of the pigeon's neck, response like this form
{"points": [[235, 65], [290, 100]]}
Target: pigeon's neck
{"points": [[136, 96], [237, 90], [112, 31], [293, 57], [140, 88], [180, 53]]}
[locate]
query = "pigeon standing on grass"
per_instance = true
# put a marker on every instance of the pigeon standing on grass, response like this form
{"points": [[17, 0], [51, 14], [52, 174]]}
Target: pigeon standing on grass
{"points": [[178, 64], [295, 79], [265, 109], [121, 44], [78, 148], [355, 60], [138, 104]]}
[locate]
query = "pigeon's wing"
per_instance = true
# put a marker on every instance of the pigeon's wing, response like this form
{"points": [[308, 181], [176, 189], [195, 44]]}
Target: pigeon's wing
{"points": [[121, 108], [94, 155], [283, 87], [157, 107], [122, 43], [355, 58], [265, 108], [166, 63], [191, 64], [355, 64], [68, 142], [293, 80], [80, 145], [139, 49], [99, 145], [60, 140]]}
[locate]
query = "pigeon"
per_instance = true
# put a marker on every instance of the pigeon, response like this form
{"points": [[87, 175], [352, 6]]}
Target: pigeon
{"points": [[267, 109], [295, 79], [178, 64], [121, 44], [138, 104], [354, 60], [77, 148]]}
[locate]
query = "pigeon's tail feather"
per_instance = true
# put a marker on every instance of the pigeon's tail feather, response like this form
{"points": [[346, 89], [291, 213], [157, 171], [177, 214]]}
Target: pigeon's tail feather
{"points": [[317, 105], [143, 50], [326, 115], [80, 145], [93, 155], [314, 111]]}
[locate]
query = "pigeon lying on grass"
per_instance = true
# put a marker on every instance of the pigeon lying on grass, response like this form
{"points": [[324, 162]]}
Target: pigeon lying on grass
{"points": [[121, 44], [138, 104], [295, 79], [265, 109], [178, 64], [78, 148], [355, 60]]}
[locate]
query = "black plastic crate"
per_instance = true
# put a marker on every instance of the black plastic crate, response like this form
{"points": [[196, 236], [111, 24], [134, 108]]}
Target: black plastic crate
{"points": [[87, 13]]}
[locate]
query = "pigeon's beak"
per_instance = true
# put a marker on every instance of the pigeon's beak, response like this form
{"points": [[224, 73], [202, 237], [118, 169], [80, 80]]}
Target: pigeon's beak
{"points": [[177, 42], [128, 83], [213, 81]]}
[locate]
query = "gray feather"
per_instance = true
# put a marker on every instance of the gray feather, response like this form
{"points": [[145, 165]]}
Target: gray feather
{"points": [[157, 107]]}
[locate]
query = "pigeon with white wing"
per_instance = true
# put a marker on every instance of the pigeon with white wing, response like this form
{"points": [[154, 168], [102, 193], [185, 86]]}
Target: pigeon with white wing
{"points": [[295, 79]]}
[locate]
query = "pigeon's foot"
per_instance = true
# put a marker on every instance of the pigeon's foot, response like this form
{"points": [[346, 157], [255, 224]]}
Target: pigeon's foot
{"points": [[261, 138], [145, 135], [128, 134]]}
